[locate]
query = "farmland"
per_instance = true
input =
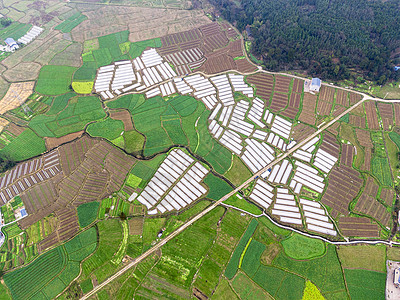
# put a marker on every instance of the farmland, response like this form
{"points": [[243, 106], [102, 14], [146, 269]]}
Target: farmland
{"points": [[54, 80], [49, 274], [190, 137]]}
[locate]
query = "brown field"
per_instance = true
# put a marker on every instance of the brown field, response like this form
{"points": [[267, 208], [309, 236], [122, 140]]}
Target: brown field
{"points": [[71, 56], [294, 102], [386, 112], [367, 159], [397, 113], [334, 129], [278, 102], [55, 142], [264, 84], [387, 196], [25, 176], [298, 86], [218, 63], [68, 226], [357, 121], [307, 114], [124, 116], [282, 83], [364, 138], [338, 110], [367, 203], [358, 227], [372, 116], [330, 145], [342, 98], [91, 170], [347, 155], [301, 131], [207, 48], [324, 108], [327, 94], [343, 186], [354, 98], [16, 95], [142, 23], [136, 226], [244, 66]]}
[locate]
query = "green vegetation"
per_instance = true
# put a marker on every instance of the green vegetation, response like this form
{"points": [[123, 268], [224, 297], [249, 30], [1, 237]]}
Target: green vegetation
{"points": [[133, 181], [13, 29], [217, 155], [86, 285], [239, 202], [54, 80], [379, 162], [87, 213], [247, 289], [301, 247], [49, 274], [99, 264], [311, 292], [66, 115], [395, 137], [224, 291], [183, 254], [133, 141], [71, 22], [218, 187], [363, 284], [24, 146], [324, 271], [312, 44], [238, 172], [233, 264], [109, 128]]}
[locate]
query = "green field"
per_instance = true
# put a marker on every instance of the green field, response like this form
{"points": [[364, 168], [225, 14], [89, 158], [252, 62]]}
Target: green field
{"points": [[324, 271], [243, 204], [395, 137], [87, 213], [70, 23], [15, 30], [99, 264], [380, 168], [233, 264], [363, 284], [217, 187], [109, 129], [247, 289], [25, 146], [54, 80], [66, 115], [301, 247], [108, 49], [51, 272]]}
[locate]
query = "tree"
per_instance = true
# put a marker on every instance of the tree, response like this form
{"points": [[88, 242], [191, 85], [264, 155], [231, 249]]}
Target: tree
{"points": [[5, 22]]}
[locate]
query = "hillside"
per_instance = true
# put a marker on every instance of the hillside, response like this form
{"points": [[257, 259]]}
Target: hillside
{"points": [[330, 39]]}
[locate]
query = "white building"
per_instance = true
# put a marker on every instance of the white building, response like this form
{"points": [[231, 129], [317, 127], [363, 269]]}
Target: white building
{"points": [[315, 85]]}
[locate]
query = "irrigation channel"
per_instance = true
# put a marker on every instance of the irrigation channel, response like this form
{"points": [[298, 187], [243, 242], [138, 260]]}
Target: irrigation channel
{"points": [[281, 157]]}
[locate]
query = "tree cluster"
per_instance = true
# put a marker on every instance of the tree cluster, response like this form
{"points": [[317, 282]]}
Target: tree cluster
{"points": [[6, 164], [5, 22], [331, 39]]}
